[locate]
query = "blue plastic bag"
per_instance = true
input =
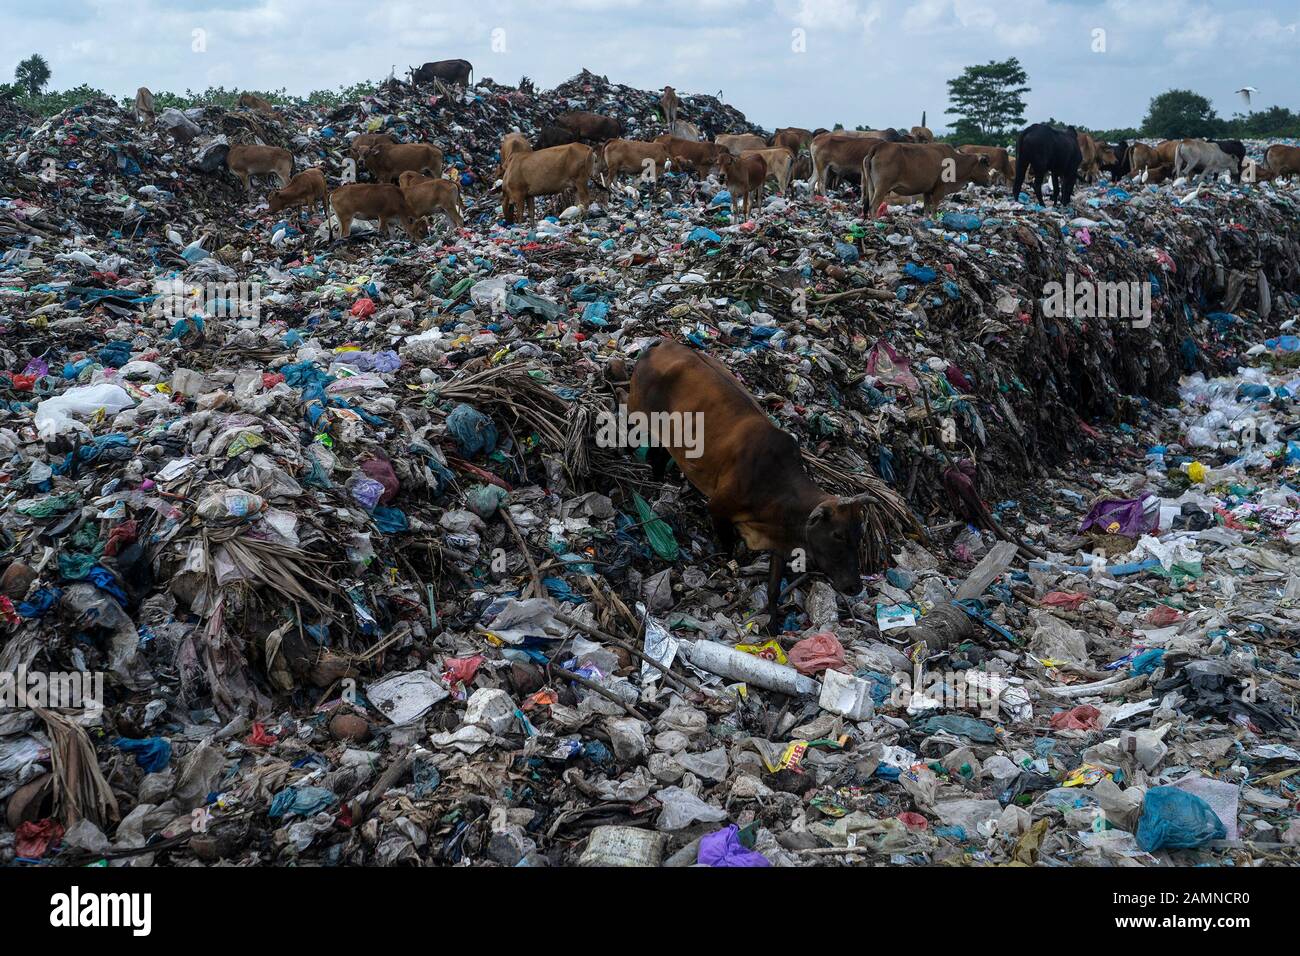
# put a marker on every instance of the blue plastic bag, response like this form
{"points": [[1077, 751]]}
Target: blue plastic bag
{"points": [[151, 753], [474, 432], [1177, 820]]}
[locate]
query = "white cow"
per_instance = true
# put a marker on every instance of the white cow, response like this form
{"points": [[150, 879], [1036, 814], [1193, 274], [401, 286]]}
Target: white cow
{"points": [[1203, 159]]}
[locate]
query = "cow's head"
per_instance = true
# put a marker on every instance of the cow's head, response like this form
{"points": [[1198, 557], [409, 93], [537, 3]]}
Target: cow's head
{"points": [[725, 162], [834, 536], [981, 173], [275, 202]]}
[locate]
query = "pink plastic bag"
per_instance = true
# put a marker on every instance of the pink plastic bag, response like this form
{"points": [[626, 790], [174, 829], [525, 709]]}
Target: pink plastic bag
{"points": [[817, 653]]}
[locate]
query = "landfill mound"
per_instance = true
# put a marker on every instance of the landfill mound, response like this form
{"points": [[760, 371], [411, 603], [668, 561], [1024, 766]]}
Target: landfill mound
{"points": [[333, 523]]}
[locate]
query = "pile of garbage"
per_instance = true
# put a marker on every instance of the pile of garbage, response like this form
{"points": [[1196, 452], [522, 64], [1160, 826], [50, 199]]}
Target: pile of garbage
{"points": [[326, 540]]}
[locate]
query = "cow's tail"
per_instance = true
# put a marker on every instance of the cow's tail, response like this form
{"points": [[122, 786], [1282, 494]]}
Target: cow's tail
{"points": [[1022, 168], [868, 188]]}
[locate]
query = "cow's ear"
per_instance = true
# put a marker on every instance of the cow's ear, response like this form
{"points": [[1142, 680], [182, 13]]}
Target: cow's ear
{"points": [[820, 514]]}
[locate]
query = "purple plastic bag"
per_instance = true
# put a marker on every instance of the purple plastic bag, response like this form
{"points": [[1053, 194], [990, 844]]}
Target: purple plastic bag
{"points": [[1129, 514], [725, 849]]}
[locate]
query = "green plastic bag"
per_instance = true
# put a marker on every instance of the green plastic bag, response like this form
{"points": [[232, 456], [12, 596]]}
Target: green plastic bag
{"points": [[657, 531]]}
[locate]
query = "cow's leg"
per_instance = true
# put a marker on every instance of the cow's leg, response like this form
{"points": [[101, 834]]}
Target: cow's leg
{"points": [[725, 532], [584, 196], [880, 191], [774, 576], [1019, 179], [657, 458], [1064, 199], [345, 225]]}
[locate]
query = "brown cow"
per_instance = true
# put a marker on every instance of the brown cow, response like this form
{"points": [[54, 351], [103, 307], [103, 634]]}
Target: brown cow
{"points": [[144, 105], [1000, 160], [547, 172], [930, 169], [632, 156], [425, 196], [889, 135], [737, 143], [1166, 151], [687, 154], [1090, 168], [512, 144], [382, 201], [1282, 161], [922, 134], [802, 169], [669, 102], [388, 161], [306, 187], [357, 148], [836, 153], [780, 163], [793, 138], [1159, 174], [250, 102], [1140, 157], [750, 470], [684, 130], [251, 160], [590, 126], [744, 177]]}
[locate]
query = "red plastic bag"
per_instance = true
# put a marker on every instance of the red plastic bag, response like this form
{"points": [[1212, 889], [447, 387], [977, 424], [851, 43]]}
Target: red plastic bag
{"points": [[1083, 717], [817, 653], [260, 738], [1066, 599], [1162, 615], [382, 471], [33, 838], [363, 308], [460, 670]]}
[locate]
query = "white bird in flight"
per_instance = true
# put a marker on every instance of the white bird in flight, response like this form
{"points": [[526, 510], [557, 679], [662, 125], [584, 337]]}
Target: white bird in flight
{"points": [[1245, 92]]}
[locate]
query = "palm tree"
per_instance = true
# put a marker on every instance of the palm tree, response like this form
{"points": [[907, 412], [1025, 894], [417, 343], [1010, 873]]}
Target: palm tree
{"points": [[32, 74]]}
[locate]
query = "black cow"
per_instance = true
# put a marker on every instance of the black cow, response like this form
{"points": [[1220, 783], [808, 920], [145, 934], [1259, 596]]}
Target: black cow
{"points": [[1234, 148], [1119, 168], [452, 71], [1047, 150], [554, 136]]}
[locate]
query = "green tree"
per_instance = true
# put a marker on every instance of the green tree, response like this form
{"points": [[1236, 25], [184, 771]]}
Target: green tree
{"points": [[1274, 121], [1175, 114], [988, 101], [32, 74]]}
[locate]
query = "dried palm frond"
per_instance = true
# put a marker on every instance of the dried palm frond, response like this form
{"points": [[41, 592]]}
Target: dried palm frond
{"points": [[296, 575], [577, 452], [80, 790], [518, 397]]}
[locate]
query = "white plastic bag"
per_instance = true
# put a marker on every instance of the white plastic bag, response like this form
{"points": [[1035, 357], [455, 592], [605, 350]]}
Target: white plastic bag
{"points": [[56, 415]]}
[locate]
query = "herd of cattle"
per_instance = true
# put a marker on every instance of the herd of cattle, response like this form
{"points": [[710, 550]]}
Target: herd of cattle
{"points": [[583, 147]]}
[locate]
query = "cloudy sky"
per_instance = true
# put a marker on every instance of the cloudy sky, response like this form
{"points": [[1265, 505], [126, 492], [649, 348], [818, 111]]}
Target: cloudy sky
{"points": [[783, 62]]}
